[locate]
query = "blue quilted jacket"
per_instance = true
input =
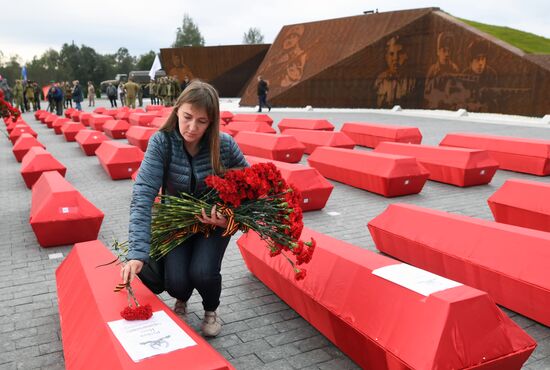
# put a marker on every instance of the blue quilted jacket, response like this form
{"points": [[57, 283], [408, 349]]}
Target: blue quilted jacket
{"points": [[149, 181]]}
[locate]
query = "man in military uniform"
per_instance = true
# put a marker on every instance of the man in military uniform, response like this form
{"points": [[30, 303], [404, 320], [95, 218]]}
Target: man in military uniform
{"points": [[18, 96], [132, 90], [162, 91], [29, 95], [140, 94], [152, 87]]}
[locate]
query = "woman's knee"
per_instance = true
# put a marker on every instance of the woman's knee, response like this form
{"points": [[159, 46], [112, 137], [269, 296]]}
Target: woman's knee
{"points": [[204, 275]]}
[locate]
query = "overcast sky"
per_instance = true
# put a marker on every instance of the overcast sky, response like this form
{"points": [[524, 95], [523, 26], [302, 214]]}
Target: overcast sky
{"points": [[29, 27]]}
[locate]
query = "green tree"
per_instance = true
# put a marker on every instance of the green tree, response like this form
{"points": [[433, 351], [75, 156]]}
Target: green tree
{"points": [[124, 61], [188, 34], [11, 69], [145, 61], [253, 36]]}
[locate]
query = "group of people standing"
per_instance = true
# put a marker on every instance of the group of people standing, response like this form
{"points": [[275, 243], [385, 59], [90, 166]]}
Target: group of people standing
{"points": [[25, 94]]}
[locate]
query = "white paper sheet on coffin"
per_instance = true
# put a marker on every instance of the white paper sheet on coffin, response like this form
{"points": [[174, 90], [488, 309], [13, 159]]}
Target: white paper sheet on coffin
{"points": [[146, 338], [415, 279]]}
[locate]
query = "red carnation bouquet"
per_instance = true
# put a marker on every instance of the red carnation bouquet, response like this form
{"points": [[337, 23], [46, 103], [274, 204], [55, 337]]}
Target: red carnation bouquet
{"points": [[254, 198], [6, 109], [137, 311]]}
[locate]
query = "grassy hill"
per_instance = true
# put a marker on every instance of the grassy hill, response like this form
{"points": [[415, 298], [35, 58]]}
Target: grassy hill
{"points": [[528, 42]]}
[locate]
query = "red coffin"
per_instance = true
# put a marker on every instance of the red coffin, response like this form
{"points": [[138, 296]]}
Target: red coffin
{"points": [[370, 134], [508, 262], [35, 162], [111, 112], [282, 148], [75, 116], [385, 174], [99, 110], [314, 187], [305, 124], [125, 114], [153, 108], [235, 127], [90, 140], [455, 166], [119, 160], [246, 117], [139, 136], [315, 138], [385, 325], [98, 120], [58, 124], [226, 116], [48, 120], [87, 303], [23, 144], [60, 215], [158, 122], [38, 113], [514, 154], [12, 125], [70, 129], [19, 130], [142, 119], [85, 118], [522, 203], [116, 128], [69, 112], [42, 116]]}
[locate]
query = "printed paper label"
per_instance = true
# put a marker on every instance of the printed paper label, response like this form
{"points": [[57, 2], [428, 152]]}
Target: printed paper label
{"points": [[146, 338], [415, 279]]}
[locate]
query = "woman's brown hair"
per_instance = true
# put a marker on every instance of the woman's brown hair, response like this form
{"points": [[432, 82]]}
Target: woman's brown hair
{"points": [[204, 96]]}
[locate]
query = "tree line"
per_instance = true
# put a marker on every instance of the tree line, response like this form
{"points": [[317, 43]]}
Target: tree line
{"points": [[85, 64]]}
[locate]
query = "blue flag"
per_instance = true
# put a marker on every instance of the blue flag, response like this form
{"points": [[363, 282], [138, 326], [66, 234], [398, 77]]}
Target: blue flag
{"points": [[24, 73]]}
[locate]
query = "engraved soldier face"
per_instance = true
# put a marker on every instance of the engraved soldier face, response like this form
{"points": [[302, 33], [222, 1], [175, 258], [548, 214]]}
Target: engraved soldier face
{"points": [[395, 56], [294, 35], [478, 64]]}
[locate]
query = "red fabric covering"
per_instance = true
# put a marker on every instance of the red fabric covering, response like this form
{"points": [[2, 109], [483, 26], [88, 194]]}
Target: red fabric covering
{"points": [[85, 118], [455, 166], [235, 127], [139, 136], [70, 129], [304, 124], [152, 108], [141, 119], [512, 153], [35, 162], [48, 120], [125, 114], [111, 112], [38, 113], [19, 130], [385, 326], [75, 116], [99, 110], [116, 128], [60, 215], [23, 144], [226, 116], [282, 148], [58, 124], [42, 116], [158, 122], [98, 120], [385, 174], [12, 125], [370, 134], [119, 160], [68, 112], [522, 203], [90, 140], [223, 128], [87, 303], [314, 187], [315, 138], [245, 117], [508, 262]]}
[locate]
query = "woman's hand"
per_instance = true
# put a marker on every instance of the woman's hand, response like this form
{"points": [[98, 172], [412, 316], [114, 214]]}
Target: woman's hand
{"points": [[130, 270], [215, 218]]}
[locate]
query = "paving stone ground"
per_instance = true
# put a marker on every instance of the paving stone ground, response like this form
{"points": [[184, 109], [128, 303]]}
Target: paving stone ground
{"points": [[260, 331]]}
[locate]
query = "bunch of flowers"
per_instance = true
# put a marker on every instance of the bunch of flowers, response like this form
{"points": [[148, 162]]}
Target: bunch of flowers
{"points": [[6, 109], [255, 198], [135, 312]]}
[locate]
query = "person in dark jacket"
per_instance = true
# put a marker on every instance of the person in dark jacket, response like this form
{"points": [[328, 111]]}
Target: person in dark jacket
{"points": [[78, 97], [263, 88], [188, 147]]}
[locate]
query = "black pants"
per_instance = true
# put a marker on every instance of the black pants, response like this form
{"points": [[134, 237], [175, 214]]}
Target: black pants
{"points": [[59, 107], [196, 264], [113, 101], [262, 102]]}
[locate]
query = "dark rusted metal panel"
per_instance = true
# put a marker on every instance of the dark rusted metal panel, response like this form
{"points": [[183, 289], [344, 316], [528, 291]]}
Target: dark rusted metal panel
{"points": [[422, 59], [228, 68]]}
